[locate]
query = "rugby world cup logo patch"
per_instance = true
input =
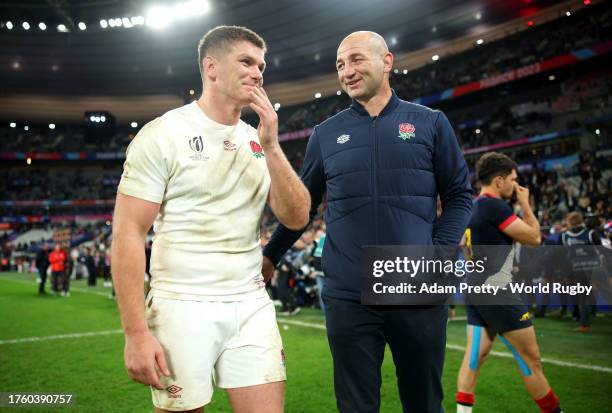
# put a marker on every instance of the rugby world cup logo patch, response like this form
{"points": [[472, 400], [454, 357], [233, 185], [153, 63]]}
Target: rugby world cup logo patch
{"points": [[196, 144], [406, 131], [257, 149]]}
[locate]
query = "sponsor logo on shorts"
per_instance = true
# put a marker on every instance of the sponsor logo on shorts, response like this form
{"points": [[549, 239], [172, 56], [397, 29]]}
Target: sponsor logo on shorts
{"points": [[343, 139], [174, 390], [406, 131], [228, 146], [525, 317]]}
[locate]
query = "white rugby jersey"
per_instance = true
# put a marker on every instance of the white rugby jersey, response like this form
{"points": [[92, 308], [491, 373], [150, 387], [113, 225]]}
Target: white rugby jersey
{"points": [[212, 183]]}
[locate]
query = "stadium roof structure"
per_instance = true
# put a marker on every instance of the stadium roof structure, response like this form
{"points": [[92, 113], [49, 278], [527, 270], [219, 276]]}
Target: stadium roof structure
{"points": [[85, 59]]}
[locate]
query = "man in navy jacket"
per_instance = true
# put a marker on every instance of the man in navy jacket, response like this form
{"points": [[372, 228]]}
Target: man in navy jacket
{"points": [[383, 162]]}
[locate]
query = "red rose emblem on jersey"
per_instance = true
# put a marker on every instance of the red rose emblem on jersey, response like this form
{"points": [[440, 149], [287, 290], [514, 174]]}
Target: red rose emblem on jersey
{"points": [[406, 131], [257, 149]]}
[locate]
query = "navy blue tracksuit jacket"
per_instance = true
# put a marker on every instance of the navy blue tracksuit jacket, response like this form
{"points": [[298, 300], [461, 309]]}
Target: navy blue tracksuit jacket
{"points": [[382, 176]]}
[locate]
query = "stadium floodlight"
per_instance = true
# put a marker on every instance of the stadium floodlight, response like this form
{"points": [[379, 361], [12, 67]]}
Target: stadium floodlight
{"points": [[29, 161], [317, 95], [435, 57], [126, 23], [338, 92], [26, 128], [479, 41], [103, 24], [434, 29], [118, 22], [134, 124], [597, 132], [82, 26], [25, 25], [92, 118], [16, 65], [9, 25], [42, 26], [52, 126], [477, 131], [277, 106], [62, 28], [568, 13], [111, 22], [191, 8], [478, 16], [159, 17], [405, 71], [13, 125], [103, 118], [191, 92], [138, 20], [396, 71], [393, 41]]}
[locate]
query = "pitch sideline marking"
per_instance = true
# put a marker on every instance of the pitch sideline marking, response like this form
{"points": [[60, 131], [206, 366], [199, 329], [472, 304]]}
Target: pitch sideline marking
{"points": [[60, 336], [77, 289], [593, 367]]}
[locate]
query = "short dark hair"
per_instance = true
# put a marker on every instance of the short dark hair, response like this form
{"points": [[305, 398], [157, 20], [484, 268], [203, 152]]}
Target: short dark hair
{"points": [[493, 164], [575, 219], [221, 37]]}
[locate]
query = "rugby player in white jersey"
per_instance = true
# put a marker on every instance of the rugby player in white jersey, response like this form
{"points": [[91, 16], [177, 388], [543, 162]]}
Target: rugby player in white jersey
{"points": [[202, 177]]}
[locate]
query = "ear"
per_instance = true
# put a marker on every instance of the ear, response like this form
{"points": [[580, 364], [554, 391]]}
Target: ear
{"points": [[210, 67], [388, 62]]}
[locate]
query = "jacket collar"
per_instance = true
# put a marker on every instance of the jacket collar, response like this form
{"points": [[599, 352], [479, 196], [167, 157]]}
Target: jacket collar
{"points": [[392, 104]]}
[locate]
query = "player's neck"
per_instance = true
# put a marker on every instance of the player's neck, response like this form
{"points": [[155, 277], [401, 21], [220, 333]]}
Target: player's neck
{"points": [[219, 108], [489, 191]]}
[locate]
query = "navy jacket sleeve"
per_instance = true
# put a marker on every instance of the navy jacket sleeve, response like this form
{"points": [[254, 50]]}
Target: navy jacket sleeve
{"points": [[452, 180], [314, 179]]}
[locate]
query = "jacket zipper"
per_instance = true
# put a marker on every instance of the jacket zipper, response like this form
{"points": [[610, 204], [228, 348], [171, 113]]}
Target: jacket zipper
{"points": [[375, 180]]}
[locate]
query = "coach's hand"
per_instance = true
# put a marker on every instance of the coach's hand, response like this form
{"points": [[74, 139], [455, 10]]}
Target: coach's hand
{"points": [[268, 119], [143, 357], [267, 269]]}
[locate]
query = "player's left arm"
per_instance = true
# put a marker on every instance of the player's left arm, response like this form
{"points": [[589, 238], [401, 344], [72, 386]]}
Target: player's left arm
{"points": [[453, 184], [288, 197]]}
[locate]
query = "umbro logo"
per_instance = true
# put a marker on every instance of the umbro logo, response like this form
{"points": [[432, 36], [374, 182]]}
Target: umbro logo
{"points": [[228, 146], [174, 390], [343, 139]]}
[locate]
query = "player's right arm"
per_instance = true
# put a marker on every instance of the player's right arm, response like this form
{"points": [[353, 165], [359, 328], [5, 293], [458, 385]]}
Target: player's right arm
{"points": [[526, 230], [139, 196], [132, 219]]}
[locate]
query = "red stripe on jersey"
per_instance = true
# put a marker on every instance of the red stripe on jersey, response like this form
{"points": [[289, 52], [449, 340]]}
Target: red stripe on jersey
{"points": [[507, 222], [489, 195]]}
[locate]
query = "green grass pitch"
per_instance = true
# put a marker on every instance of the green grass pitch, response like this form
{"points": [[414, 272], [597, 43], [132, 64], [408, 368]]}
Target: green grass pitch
{"points": [[91, 366]]}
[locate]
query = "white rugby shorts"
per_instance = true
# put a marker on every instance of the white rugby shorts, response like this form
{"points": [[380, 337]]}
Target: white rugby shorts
{"points": [[235, 344]]}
